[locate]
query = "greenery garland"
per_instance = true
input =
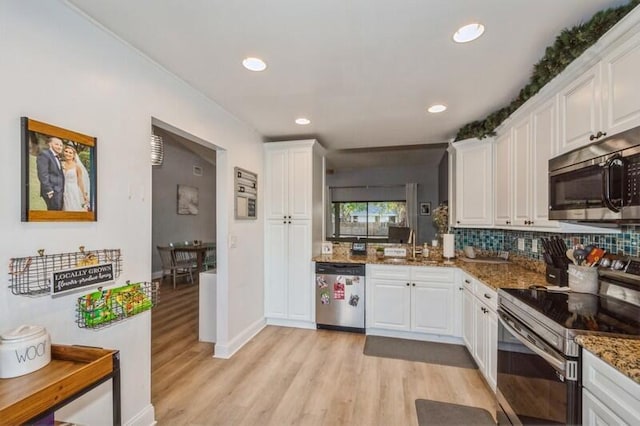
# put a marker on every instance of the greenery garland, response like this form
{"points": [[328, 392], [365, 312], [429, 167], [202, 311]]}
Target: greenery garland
{"points": [[569, 45]]}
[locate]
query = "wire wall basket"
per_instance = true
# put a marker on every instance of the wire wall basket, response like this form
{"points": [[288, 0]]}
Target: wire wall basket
{"points": [[104, 308], [31, 276]]}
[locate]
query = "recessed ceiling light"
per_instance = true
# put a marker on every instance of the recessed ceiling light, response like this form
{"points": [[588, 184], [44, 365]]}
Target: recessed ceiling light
{"points": [[436, 108], [302, 121], [254, 64], [468, 33]]}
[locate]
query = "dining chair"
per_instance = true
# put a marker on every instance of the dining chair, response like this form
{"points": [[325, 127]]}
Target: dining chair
{"points": [[175, 267], [210, 258]]}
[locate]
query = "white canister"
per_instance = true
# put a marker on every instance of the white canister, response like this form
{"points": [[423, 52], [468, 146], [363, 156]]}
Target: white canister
{"points": [[583, 279], [24, 350]]}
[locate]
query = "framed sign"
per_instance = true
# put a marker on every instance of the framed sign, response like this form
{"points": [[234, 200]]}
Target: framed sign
{"points": [[246, 194], [58, 174], [71, 279]]}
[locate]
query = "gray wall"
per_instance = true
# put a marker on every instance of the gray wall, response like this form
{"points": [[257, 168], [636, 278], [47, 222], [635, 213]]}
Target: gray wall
{"points": [[425, 177], [443, 178], [177, 168]]}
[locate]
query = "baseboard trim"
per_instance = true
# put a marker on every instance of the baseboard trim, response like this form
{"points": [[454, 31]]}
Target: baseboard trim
{"points": [[415, 336], [291, 323], [146, 417], [226, 351]]}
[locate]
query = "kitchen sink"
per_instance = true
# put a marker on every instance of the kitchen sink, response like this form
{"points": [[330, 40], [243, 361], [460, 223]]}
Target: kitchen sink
{"points": [[491, 260]]}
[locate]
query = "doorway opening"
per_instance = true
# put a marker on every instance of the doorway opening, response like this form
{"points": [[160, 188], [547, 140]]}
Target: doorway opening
{"points": [[184, 220]]}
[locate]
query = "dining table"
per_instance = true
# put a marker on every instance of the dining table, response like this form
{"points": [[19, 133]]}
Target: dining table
{"points": [[199, 248]]}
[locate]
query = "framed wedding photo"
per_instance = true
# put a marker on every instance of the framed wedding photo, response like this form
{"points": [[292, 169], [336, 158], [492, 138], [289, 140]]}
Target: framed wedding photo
{"points": [[59, 170]]}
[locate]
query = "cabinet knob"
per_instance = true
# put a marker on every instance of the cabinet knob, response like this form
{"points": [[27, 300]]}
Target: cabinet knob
{"points": [[460, 288], [289, 222], [508, 222], [289, 217], [284, 221], [414, 284], [486, 296], [457, 221], [604, 134], [592, 137], [467, 281], [407, 284]]}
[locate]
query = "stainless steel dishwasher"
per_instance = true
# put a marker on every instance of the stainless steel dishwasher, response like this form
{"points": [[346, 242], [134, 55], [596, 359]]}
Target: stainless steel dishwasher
{"points": [[340, 296]]}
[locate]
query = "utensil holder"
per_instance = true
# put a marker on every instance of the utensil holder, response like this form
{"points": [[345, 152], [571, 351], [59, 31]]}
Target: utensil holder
{"points": [[583, 279], [557, 276]]}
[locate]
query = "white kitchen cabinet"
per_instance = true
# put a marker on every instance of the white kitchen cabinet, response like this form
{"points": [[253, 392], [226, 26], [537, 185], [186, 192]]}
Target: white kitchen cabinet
{"points": [[621, 109], [608, 396], [419, 300], [522, 172], [293, 206], [474, 182], [468, 312], [543, 146], [480, 327], [289, 180], [503, 179], [580, 109]]}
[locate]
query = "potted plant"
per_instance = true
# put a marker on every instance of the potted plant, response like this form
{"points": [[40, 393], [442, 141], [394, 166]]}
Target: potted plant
{"points": [[379, 252]]}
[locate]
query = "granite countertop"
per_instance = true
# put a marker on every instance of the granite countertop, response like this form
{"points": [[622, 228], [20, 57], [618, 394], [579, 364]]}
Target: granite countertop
{"points": [[622, 354], [506, 275]]}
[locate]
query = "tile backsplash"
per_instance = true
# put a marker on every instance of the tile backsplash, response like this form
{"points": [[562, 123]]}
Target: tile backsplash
{"points": [[627, 242]]}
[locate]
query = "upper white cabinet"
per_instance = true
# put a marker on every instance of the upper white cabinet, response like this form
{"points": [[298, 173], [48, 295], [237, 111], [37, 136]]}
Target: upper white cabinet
{"points": [[580, 110], [621, 86], [503, 180], [543, 144], [293, 229], [288, 181], [604, 100], [522, 171], [474, 182]]}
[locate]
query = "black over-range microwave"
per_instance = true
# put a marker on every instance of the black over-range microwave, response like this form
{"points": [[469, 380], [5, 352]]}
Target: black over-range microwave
{"points": [[598, 182]]}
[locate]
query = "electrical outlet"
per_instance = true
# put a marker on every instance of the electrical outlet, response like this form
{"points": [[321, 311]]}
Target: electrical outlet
{"points": [[534, 245], [521, 244]]}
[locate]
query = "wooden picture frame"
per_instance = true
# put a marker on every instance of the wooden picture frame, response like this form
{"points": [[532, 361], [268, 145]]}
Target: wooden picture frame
{"points": [[62, 187]]}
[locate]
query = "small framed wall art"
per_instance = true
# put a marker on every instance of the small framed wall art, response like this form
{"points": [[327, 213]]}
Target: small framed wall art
{"points": [[59, 171], [425, 209], [188, 200]]}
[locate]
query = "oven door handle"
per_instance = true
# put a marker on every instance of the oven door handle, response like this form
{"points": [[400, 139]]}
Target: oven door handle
{"points": [[557, 364]]}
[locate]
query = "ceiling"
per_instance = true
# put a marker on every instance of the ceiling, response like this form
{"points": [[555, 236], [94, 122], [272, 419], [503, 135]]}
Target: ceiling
{"points": [[363, 71]]}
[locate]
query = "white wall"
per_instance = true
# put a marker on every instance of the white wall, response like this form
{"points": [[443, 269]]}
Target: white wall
{"points": [[59, 68]]}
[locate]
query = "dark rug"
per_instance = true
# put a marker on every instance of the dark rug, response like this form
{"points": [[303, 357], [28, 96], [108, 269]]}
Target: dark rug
{"points": [[416, 350], [444, 413]]}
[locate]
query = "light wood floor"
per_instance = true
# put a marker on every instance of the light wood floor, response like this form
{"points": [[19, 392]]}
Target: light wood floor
{"points": [[287, 376]]}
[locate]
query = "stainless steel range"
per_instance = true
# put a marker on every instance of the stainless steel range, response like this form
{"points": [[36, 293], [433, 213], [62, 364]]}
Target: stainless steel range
{"points": [[539, 367]]}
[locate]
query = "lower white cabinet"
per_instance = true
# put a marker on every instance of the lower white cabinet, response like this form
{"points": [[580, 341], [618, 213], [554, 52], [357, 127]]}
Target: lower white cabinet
{"points": [[480, 326], [416, 299], [608, 396], [289, 272]]}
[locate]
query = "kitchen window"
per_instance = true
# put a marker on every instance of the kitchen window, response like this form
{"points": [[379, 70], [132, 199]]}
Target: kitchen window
{"points": [[369, 220]]}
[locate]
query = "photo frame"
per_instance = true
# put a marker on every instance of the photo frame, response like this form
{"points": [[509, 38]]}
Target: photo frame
{"points": [[425, 209], [188, 200], [59, 174]]}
